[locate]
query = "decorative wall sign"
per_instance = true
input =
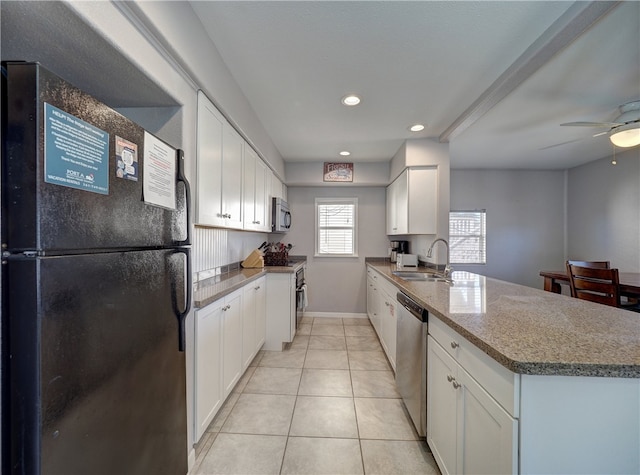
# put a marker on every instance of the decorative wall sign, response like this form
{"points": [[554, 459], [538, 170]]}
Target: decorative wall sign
{"points": [[338, 171]]}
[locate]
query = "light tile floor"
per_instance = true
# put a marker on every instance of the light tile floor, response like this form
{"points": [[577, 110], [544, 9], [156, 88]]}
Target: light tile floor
{"points": [[327, 405]]}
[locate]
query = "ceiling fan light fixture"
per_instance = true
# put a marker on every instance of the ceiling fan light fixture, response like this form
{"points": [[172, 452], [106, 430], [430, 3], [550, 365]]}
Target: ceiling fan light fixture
{"points": [[627, 135], [351, 100]]}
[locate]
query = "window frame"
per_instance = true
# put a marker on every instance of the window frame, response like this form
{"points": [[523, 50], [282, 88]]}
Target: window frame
{"points": [[482, 236], [336, 201]]}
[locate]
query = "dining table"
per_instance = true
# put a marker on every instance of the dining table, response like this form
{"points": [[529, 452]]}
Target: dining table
{"points": [[629, 282]]}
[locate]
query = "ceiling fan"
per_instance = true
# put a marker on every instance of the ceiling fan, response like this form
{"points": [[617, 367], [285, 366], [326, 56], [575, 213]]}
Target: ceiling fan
{"points": [[624, 131]]}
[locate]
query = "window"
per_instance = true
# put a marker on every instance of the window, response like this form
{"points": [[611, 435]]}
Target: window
{"points": [[468, 237], [336, 223]]}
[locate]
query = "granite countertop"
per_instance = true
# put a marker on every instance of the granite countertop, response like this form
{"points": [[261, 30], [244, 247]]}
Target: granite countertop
{"points": [[209, 290], [530, 331]]}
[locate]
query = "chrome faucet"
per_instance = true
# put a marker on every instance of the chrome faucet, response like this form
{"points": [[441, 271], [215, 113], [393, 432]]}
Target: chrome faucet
{"points": [[447, 268]]}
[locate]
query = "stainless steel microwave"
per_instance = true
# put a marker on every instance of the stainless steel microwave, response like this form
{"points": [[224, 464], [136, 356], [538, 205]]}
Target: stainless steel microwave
{"points": [[280, 216]]}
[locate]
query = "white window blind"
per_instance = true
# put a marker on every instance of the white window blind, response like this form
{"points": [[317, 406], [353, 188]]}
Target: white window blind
{"points": [[468, 237], [336, 226]]}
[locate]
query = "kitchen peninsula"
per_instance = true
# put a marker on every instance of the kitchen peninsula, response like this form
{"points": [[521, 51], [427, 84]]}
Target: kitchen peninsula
{"points": [[563, 375]]}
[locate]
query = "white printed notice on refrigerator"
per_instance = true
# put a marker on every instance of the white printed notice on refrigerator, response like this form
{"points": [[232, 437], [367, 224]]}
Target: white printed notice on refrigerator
{"points": [[159, 173]]}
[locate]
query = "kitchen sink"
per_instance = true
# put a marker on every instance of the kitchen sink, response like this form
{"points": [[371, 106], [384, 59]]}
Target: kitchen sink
{"points": [[421, 276]]}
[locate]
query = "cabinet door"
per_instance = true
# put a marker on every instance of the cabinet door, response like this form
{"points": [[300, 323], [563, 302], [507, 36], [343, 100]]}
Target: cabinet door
{"points": [[249, 188], [373, 304], [422, 200], [208, 358], [232, 341], [397, 205], [487, 434], [441, 407], [388, 323], [402, 203], [249, 307], [232, 150], [276, 187], [261, 204], [209, 158], [261, 312], [391, 209]]}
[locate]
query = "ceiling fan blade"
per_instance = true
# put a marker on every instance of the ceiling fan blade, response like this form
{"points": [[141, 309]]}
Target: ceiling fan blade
{"points": [[601, 133], [592, 124], [559, 144]]}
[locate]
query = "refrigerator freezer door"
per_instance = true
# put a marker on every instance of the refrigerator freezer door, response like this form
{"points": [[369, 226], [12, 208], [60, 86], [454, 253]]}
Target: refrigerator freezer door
{"points": [[50, 217], [97, 381]]}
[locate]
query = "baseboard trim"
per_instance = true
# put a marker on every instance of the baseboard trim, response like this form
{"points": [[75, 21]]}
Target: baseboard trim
{"points": [[334, 315]]}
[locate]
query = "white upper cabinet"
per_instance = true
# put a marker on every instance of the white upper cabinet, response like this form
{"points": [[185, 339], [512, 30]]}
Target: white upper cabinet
{"points": [[412, 202], [232, 153], [257, 183], [278, 189], [219, 177]]}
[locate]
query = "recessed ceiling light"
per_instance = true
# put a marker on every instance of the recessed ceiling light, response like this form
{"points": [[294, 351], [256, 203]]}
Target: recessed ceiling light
{"points": [[345, 153], [351, 100], [416, 128]]}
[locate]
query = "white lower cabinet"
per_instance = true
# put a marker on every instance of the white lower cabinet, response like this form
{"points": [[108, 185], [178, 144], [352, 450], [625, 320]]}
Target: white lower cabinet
{"points": [[228, 334], [281, 310], [373, 308], [382, 310], [231, 341], [468, 431], [388, 323], [208, 371], [253, 320]]}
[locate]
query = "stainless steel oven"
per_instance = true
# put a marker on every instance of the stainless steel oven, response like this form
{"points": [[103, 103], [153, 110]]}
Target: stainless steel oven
{"points": [[301, 294]]}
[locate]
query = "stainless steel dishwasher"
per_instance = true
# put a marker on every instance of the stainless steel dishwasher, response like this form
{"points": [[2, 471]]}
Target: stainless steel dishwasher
{"points": [[411, 360]]}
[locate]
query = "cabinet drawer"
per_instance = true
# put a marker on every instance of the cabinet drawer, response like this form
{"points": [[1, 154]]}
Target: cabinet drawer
{"points": [[502, 384]]}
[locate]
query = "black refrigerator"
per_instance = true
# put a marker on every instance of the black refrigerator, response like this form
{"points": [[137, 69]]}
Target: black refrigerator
{"points": [[96, 285]]}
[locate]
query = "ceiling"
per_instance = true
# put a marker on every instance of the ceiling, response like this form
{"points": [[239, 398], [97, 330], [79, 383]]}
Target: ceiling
{"points": [[494, 79]]}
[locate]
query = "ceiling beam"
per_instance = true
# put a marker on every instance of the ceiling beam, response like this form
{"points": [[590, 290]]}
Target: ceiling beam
{"points": [[578, 18]]}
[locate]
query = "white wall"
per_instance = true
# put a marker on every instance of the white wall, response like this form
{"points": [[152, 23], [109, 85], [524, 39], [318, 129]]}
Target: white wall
{"points": [[525, 220], [604, 211], [337, 284]]}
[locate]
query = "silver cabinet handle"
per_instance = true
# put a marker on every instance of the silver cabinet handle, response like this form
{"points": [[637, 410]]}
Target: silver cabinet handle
{"points": [[256, 288], [455, 344], [450, 378], [456, 384], [226, 307], [386, 303]]}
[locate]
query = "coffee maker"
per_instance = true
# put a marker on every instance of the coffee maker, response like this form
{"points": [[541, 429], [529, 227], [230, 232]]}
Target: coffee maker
{"points": [[398, 247]]}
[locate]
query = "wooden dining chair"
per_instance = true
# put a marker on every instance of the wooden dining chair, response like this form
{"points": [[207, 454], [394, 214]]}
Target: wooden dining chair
{"points": [[592, 264], [595, 284]]}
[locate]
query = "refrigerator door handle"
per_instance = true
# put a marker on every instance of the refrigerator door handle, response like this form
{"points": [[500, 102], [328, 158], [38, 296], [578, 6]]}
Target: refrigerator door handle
{"points": [[182, 315], [187, 192]]}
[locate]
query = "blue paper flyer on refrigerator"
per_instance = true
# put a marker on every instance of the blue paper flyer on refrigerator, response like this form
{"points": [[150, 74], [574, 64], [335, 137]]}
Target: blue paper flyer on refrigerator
{"points": [[76, 154]]}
